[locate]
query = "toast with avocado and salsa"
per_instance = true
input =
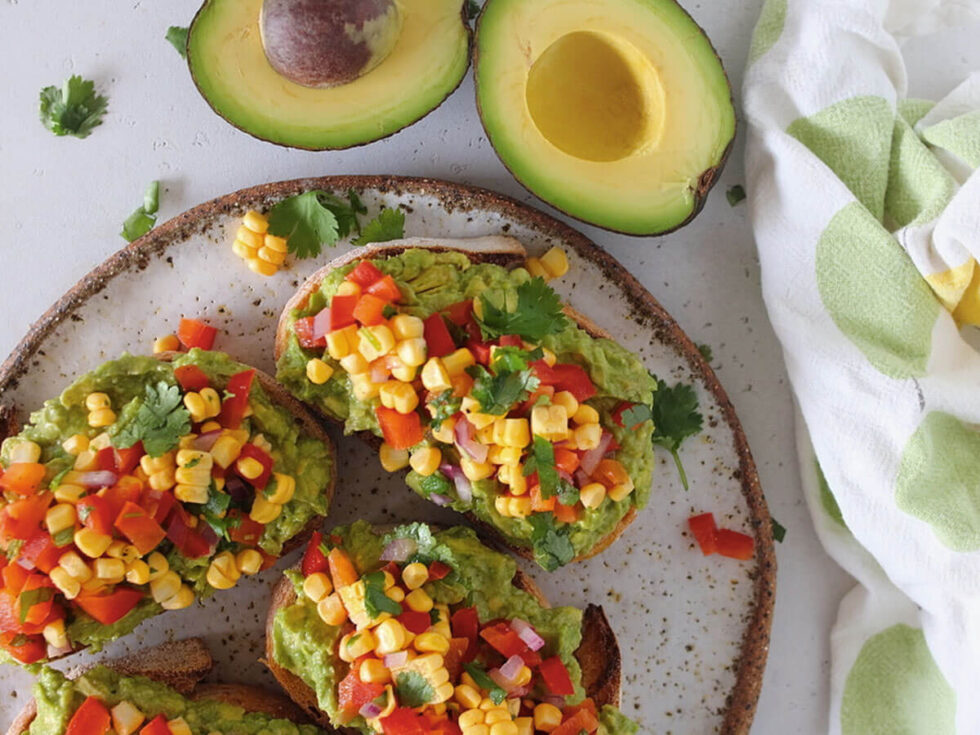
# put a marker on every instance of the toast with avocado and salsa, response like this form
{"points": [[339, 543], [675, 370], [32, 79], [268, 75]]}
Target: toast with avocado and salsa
{"points": [[157, 693], [147, 483], [460, 363], [425, 630]]}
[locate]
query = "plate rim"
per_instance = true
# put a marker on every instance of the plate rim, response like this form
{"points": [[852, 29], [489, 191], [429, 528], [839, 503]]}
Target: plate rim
{"points": [[743, 698]]}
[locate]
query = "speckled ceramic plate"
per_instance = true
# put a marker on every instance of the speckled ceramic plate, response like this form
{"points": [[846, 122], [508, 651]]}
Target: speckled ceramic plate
{"points": [[693, 630]]}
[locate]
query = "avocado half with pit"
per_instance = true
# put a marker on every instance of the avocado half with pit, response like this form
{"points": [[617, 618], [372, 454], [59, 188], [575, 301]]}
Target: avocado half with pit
{"points": [[617, 112], [322, 74]]}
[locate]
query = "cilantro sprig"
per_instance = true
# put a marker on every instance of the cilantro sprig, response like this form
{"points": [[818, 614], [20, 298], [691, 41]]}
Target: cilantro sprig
{"points": [[375, 599], [413, 689], [442, 407], [552, 545], [483, 680], [388, 225], [675, 418], [177, 37], [74, 109], [144, 217], [538, 313], [159, 423], [542, 461], [498, 393]]}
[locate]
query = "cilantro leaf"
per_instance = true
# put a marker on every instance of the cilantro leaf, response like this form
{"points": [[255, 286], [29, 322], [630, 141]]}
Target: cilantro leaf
{"points": [[538, 313], [513, 359], [177, 36], [388, 225], [64, 537], [675, 418], [636, 415], [567, 493], [142, 220], [313, 219], [375, 599], [436, 483], [542, 461], [483, 680], [706, 352], [30, 598], [552, 546], [497, 394], [215, 513], [442, 407], [159, 423], [75, 109], [778, 530], [413, 689], [12, 550], [735, 195], [356, 207]]}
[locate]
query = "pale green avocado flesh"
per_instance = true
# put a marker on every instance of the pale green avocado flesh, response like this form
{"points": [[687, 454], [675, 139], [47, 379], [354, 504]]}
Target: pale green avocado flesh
{"points": [[431, 281], [306, 646]]}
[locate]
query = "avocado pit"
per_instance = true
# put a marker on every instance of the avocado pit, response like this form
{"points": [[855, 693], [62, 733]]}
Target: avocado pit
{"points": [[328, 43]]}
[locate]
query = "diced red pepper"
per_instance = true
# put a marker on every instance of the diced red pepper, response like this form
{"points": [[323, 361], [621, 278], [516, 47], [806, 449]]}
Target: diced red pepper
{"points": [[401, 431], [250, 450], [415, 622], [566, 513], [403, 721], [567, 460], [735, 545], [588, 704], [21, 519], [95, 513], [105, 459], [460, 313], [127, 459], [41, 610], [157, 726], [92, 718], [538, 503], [440, 725], [364, 274], [438, 570], [438, 340], [139, 527], [705, 532], [23, 478], [370, 310], [582, 721], [233, 407], [188, 541], [314, 560], [385, 288], [127, 490], [342, 311], [456, 656], [39, 551], [342, 571], [110, 608], [191, 377], [556, 677], [157, 503], [304, 334], [195, 333], [246, 532], [9, 619], [481, 350], [465, 623], [541, 390], [14, 578], [505, 641], [567, 376], [352, 694], [27, 649], [510, 340]]}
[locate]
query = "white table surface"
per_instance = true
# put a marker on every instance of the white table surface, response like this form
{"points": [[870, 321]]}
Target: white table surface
{"points": [[62, 202]]}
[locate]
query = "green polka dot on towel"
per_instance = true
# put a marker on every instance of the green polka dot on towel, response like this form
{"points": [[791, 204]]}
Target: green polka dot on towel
{"points": [[895, 688], [939, 480], [768, 29], [874, 294]]}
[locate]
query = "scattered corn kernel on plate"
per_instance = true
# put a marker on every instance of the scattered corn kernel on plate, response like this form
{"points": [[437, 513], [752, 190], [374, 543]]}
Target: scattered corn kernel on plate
{"points": [[693, 629]]}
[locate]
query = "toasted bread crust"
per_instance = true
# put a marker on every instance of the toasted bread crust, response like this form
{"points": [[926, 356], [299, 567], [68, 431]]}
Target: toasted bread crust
{"points": [[501, 250], [598, 654]]}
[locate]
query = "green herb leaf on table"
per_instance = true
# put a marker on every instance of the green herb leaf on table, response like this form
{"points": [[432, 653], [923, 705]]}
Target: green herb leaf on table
{"points": [[388, 225], [735, 195], [538, 313], [74, 109], [483, 680], [442, 407], [552, 546], [375, 599], [778, 530], [307, 221], [413, 689], [144, 218], [675, 418], [497, 394], [706, 352], [177, 36], [159, 423]]}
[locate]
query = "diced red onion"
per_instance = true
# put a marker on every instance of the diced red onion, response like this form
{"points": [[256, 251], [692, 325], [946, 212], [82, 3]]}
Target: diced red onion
{"points": [[97, 479], [399, 549], [379, 373], [205, 441], [25, 563], [564, 475], [555, 700], [55, 652], [591, 459], [440, 499], [527, 634], [321, 324], [581, 479], [395, 660], [370, 710], [464, 490], [506, 676], [466, 440]]}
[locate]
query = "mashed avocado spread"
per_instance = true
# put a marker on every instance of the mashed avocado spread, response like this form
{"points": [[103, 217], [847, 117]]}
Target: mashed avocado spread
{"points": [[307, 647], [57, 699], [431, 281]]}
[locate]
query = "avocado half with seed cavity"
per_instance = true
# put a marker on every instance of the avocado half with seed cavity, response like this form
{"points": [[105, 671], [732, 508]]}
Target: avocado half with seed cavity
{"points": [[617, 112], [321, 74]]}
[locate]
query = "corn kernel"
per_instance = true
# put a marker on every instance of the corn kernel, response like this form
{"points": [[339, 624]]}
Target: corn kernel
{"points": [[467, 696], [101, 417], [414, 575], [285, 488], [620, 492], [60, 517], [318, 372], [430, 642], [249, 561], [138, 572], [566, 399], [457, 362], [158, 565], [523, 676], [276, 257], [364, 388], [69, 493], [434, 375], [122, 550], [555, 262], [212, 400], [110, 571], [168, 343], [503, 728], [588, 436], [535, 267], [192, 493], [471, 723], [218, 579], [90, 543], [585, 414], [442, 693], [193, 476], [261, 267], [25, 451], [75, 444], [516, 433], [525, 725], [317, 586], [165, 586], [331, 610], [445, 432], [66, 584], [276, 243], [163, 480], [196, 406], [183, 598], [391, 637], [592, 495], [375, 342], [54, 634], [393, 460], [425, 460], [502, 505], [126, 718], [249, 468], [263, 511], [550, 422], [399, 396], [546, 717], [496, 715], [255, 221], [396, 593], [85, 461], [482, 421], [97, 401], [405, 326], [349, 288], [243, 250], [373, 671], [519, 507], [419, 600], [412, 352], [475, 471], [354, 645], [550, 358], [225, 450], [355, 364]]}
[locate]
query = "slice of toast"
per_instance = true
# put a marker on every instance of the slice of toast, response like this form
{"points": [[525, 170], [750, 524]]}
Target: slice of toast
{"points": [[500, 250]]}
